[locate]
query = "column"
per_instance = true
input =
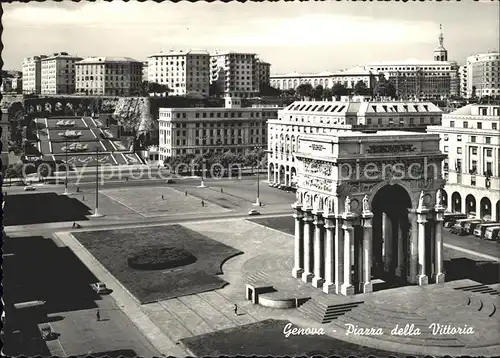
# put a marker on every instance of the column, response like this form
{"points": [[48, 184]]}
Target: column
{"points": [[431, 246], [307, 274], [329, 285], [438, 249], [367, 285], [298, 269], [421, 220], [339, 255], [413, 247], [347, 288], [400, 270], [318, 250], [388, 241]]}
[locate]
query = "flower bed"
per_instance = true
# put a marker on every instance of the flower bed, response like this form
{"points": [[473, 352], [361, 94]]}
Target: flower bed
{"points": [[161, 259]]}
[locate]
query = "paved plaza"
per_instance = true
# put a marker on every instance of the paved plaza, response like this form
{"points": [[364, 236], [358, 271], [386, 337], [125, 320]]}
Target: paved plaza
{"points": [[270, 251]]}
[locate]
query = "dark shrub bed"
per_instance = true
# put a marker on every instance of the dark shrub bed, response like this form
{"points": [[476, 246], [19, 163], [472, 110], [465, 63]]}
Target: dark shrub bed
{"points": [[160, 259]]}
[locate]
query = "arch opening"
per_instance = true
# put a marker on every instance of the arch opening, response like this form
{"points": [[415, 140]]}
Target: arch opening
{"points": [[456, 202], [470, 205], [485, 209], [391, 228]]}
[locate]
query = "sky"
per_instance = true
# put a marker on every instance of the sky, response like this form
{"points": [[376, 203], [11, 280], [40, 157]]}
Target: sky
{"points": [[306, 37]]}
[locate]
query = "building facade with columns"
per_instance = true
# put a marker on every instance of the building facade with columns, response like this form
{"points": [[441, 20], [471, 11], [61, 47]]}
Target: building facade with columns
{"points": [[348, 78], [368, 206], [303, 117], [469, 137]]}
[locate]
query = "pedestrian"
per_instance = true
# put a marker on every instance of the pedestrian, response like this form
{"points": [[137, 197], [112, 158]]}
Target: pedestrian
{"points": [[235, 309], [74, 225], [162, 197], [221, 190], [98, 316], [77, 189], [83, 198], [202, 203], [186, 193]]}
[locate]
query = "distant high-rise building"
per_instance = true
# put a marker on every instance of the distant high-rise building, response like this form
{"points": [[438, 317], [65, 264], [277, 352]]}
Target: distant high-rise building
{"points": [[235, 73], [263, 73], [58, 73], [184, 72], [32, 74], [108, 76], [462, 75], [483, 75]]}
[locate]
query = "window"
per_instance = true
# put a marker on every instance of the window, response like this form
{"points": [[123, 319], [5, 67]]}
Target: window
{"points": [[494, 126], [473, 139], [479, 125], [446, 149], [459, 166], [459, 138], [487, 140], [489, 152], [474, 150], [466, 124], [412, 121], [459, 150]]}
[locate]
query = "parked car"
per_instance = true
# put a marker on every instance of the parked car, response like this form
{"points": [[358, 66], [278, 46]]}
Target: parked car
{"points": [[458, 227], [29, 188], [47, 334], [452, 218], [471, 225], [492, 233], [100, 288], [170, 181], [481, 228], [254, 212]]}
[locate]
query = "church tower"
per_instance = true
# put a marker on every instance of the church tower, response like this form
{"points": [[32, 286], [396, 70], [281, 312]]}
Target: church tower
{"points": [[440, 54]]}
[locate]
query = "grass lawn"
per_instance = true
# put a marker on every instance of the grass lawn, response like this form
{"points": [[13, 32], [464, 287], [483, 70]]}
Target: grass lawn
{"points": [[284, 224], [112, 247], [266, 338]]}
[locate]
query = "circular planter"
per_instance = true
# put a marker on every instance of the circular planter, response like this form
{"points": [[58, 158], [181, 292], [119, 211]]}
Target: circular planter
{"points": [[160, 259]]}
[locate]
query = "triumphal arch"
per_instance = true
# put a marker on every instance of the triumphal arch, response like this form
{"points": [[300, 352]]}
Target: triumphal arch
{"points": [[368, 205]]}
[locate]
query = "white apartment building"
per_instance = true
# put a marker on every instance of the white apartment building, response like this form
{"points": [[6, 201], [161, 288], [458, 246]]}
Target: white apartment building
{"points": [[197, 130], [483, 75], [320, 117], [108, 76], [263, 73], [235, 73], [58, 73], [32, 74], [470, 137], [184, 72], [462, 75], [145, 74], [348, 78]]}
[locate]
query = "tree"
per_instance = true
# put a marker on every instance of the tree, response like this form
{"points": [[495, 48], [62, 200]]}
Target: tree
{"points": [[360, 89], [267, 90], [305, 90], [384, 88], [327, 94], [317, 92], [215, 89], [153, 87], [339, 90], [290, 92]]}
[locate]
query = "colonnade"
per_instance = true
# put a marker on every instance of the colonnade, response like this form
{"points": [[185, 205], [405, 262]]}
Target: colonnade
{"points": [[336, 253]]}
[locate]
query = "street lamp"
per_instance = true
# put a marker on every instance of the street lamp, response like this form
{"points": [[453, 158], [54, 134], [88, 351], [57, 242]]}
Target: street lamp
{"points": [[203, 138], [96, 212], [257, 201], [66, 162]]}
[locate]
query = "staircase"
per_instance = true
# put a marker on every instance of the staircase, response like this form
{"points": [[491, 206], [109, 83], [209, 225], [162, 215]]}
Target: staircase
{"points": [[479, 288], [258, 279], [323, 313]]}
